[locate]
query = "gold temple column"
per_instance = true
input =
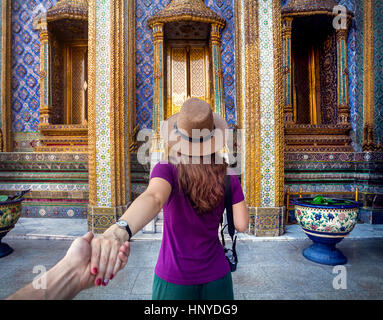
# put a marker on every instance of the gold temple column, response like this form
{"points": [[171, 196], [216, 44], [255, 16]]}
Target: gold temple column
{"points": [[286, 37], [215, 44], [129, 79], [158, 85], [107, 133], [45, 75], [157, 148], [6, 143], [262, 114], [369, 142], [343, 98], [158, 92]]}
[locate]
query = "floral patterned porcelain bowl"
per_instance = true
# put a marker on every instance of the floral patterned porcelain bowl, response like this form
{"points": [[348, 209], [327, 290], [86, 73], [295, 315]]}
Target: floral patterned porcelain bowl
{"points": [[326, 222], [10, 212]]}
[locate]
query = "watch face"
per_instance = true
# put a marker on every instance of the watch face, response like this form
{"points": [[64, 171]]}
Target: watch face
{"points": [[122, 223]]}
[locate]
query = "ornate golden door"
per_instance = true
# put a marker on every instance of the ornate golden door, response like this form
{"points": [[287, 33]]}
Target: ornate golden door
{"points": [[188, 74]]}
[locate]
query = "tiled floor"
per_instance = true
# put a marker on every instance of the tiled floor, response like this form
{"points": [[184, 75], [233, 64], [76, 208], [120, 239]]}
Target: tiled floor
{"points": [[49, 228], [267, 270]]}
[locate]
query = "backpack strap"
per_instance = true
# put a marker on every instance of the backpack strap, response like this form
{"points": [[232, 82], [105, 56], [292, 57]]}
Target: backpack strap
{"points": [[229, 206], [229, 215]]}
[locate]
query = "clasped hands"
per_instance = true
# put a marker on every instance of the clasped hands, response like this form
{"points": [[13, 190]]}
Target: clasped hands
{"points": [[97, 260]]}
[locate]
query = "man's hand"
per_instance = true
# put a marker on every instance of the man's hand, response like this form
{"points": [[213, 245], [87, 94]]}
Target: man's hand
{"points": [[78, 258]]}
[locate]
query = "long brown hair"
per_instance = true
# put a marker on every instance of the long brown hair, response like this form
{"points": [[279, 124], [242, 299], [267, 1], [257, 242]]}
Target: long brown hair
{"points": [[203, 183]]}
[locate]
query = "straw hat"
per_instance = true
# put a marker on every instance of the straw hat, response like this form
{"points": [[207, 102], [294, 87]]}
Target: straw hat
{"points": [[195, 130]]}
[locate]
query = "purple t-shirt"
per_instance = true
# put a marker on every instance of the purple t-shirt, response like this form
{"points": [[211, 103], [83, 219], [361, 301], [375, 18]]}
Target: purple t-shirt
{"points": [[191, 252]]}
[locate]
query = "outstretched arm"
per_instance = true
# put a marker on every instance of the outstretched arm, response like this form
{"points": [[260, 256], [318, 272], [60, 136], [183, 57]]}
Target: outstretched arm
{"points": [[68, 277], [104, 262]]}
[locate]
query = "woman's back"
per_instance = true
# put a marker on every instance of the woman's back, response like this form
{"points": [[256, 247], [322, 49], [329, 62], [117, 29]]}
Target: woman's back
{"points": [[191, 252]]}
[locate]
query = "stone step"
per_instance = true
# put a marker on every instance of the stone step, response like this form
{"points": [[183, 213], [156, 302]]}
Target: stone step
{"points": [[139, 176], [159, 226]]}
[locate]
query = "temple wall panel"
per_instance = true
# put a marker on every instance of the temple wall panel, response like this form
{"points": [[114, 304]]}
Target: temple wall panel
{"points": [[378, 61], [1, 63], [327, 172], [65, 191], [26, 71], [144, 58]]}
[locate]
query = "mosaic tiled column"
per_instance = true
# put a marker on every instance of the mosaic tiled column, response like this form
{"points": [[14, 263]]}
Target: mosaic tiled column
{"points": [[260, 52], [215, 43], [107, 196], [286, 36], [45, 75], [343, 98], [158, 105], [5, 72], [369, 143]]}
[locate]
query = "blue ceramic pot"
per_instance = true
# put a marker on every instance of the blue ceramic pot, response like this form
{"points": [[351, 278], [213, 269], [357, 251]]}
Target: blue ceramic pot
{"points": [[326, 225], [10, 212]]}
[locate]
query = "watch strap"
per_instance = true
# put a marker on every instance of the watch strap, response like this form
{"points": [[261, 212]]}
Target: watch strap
{"points": [[129, 231], [127, 228]]}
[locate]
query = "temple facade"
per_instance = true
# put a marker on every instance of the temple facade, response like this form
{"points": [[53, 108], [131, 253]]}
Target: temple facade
{"points": [[300, 81]]}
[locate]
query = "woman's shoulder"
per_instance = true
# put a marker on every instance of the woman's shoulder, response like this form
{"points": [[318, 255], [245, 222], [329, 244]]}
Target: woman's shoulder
{"points": [[236, 188], [232, 173], [165, 164], [164, 169]]}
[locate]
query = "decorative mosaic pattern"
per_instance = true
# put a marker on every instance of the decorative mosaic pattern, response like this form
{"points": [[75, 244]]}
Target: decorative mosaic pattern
{"points": [[58, 182], [357, 117], [378, 60], [266, 70], [26, 64], [356, 110], [144, 57], [268, 222], [226, 10], [103, 174], [9, 215], [25, 141], [54, 211], [334, 172], [1, 63], [284, 2], [326, 220]]}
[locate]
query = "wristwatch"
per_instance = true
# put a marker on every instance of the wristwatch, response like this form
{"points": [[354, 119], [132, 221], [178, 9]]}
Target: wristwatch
{"points": [[122, 224]]}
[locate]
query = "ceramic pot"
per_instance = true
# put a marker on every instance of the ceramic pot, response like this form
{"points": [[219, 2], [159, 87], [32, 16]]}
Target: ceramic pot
{"points": [[10, 212], [326, 225]]}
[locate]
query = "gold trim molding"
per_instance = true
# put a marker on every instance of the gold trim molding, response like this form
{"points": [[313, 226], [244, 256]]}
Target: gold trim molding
{"points": [[369, 142], [6, 44], [252, 104], [121, 59], [278, 104], [92, 103]]}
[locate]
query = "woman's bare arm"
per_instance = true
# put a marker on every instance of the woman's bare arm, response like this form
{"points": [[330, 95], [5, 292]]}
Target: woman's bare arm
{"points": [[104, 262], [241, 216]]}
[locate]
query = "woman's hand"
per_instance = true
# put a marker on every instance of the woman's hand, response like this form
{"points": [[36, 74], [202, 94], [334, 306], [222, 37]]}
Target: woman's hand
{"points": [[110, 254]]}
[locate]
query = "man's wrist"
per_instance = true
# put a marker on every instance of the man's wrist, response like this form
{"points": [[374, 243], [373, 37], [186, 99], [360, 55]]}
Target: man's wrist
{"points": [[63, 272]]}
